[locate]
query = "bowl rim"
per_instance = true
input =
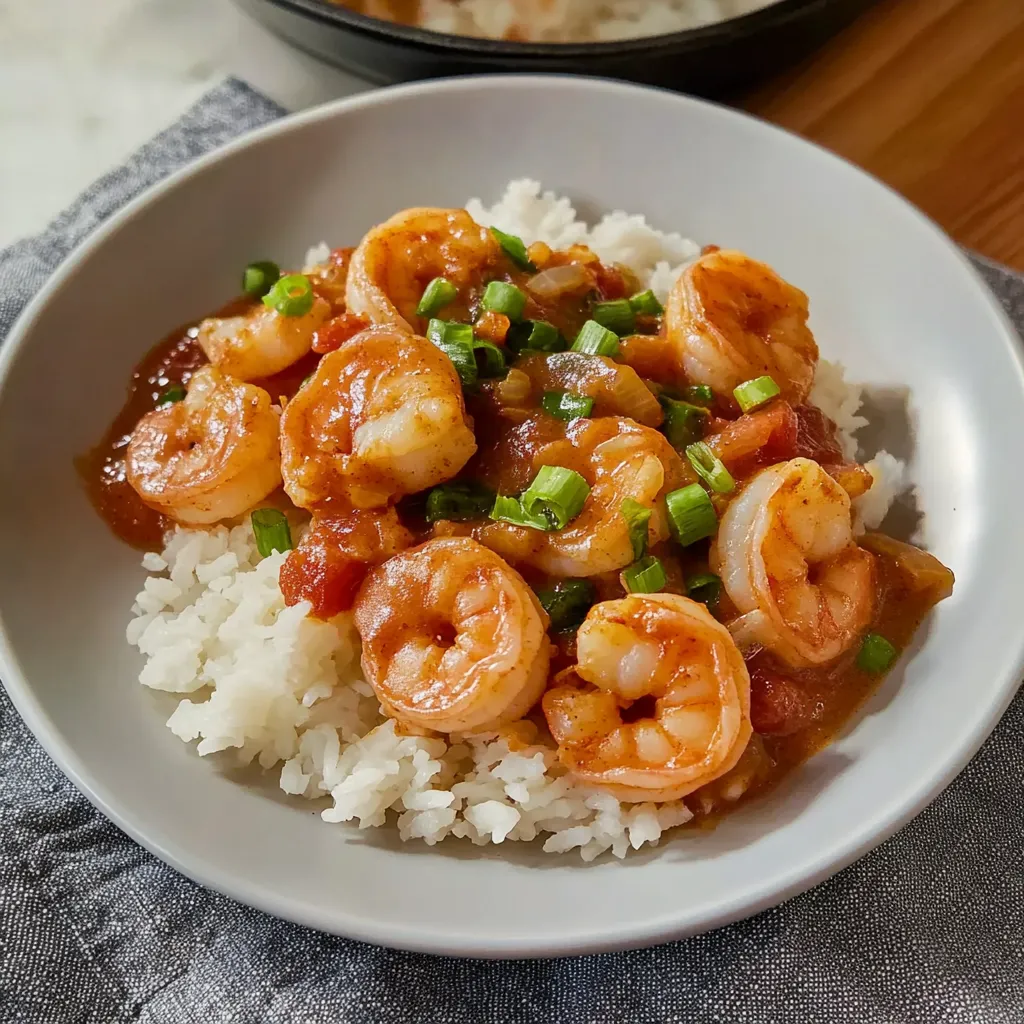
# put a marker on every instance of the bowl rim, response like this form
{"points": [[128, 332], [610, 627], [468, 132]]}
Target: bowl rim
{"points": [[682, 41], [868, 832]]}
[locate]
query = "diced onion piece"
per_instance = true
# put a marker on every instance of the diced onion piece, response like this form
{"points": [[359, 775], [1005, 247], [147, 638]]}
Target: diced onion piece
{"points": [[515, 389], [633, 398], [555, 282]]}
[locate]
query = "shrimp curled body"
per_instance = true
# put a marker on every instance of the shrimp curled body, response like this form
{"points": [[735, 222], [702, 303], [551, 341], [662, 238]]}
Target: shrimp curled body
{"points": [[397, 260], [731, 319], [209, 457], [787, 556], [453, 638], [382, 417], [261, 342], [619, 459], [668, 648]]}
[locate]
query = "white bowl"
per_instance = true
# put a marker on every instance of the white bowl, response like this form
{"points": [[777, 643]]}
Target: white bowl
{"points": [[891, 297]]}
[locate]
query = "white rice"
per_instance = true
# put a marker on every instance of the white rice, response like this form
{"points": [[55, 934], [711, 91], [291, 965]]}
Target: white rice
{"points": [[577, 20], [281, 689]]}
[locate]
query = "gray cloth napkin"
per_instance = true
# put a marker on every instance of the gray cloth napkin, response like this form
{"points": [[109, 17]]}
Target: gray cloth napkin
{"points": [[928, 928]]}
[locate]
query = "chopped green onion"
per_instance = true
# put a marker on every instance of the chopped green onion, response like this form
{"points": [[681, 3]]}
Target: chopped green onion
{"points": [[291, 295], [514, 248], [647, 576], [173, 393], [567, 603], [510, 510], [537, 335], [710, 468], [684, 423], [566, 405], [752, 394], [876, 654], [258, 278], [490, 360], [438, 294], [459, 502], [501, 297], [705, 587], [271, 529], [456, 342], [558, 494], [637, 517], [646, 303], [617, 316], [691, 514], [699, 394], [595, 340]]}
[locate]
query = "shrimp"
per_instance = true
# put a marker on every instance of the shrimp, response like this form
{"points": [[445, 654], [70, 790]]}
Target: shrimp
{"points": [[731, 318], [671, 649], [209, 457], [453, 638], [787, 556], [382, 417], [260, 342], [397, 260], [619, 459]]}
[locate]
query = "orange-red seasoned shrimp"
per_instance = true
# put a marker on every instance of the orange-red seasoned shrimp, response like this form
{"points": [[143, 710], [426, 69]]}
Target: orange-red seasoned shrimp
{"points": [[211, 456], [396, 260], [788, 559], [731, 319], [668, 648], [261, 342], [383, 416], [619, 459], [453, 638]]}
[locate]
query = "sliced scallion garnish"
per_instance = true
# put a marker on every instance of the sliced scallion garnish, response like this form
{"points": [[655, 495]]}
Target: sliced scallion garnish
{"points": [[507, 299], [699, 394], [710, 468], [456, 342], [272, 531], [691, 514], [646, 303], [705, 587], [535, 335], [514, 248], [595, 340], [684, 423], [637, 517], [291, 295], [876, 654], [508, 509], [459, 502], [752, 394], [259, 277], [557, 494], [172, 393], [617, 315], [490, 360], [566, 405], [646, 576], [567, 603], [438, 294]]}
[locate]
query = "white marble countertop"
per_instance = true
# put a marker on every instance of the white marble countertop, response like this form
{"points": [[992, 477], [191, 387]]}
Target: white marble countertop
{"points": [[84, 82]]}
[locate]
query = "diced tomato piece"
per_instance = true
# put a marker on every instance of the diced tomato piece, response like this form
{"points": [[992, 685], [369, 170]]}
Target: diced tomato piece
{"points": [[492, 327], [816, 436], [778, 706], [756, 439], [323, 576]]}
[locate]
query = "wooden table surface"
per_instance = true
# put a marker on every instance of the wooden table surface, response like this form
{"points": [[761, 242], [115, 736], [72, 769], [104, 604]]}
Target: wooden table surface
{"points": [[929, 96]]}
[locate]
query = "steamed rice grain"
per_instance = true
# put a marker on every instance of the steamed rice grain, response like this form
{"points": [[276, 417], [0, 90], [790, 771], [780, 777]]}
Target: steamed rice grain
{"points": [[273, 686]]}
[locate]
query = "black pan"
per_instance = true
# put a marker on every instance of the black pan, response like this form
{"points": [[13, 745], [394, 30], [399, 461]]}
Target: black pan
{"points": [[713, 61]]}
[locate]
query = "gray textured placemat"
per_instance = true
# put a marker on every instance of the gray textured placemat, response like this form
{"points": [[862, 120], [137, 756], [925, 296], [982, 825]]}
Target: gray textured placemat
{"points": [[928, 928]]}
